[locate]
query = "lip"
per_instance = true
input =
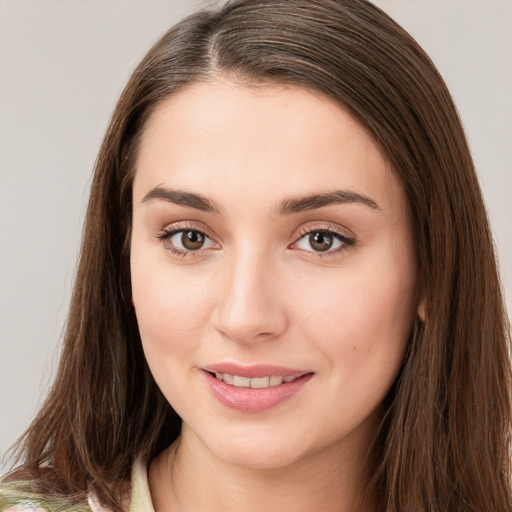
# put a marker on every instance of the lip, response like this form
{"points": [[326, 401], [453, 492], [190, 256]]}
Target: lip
{"points": [[253, 399], [254, 371]]}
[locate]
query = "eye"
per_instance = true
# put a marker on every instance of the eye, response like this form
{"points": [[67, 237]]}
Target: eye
{"points": [[323, 241], [189, 240], [186, 241]]}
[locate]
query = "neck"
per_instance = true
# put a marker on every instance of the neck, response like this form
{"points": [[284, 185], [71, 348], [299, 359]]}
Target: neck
{"points": [[187, 477]]}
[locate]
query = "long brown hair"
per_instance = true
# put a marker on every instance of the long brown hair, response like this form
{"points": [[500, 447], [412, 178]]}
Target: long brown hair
{"points": [[444, 442]]}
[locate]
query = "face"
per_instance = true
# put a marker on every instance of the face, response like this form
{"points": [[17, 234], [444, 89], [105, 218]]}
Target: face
{"points": [[272, 274]]}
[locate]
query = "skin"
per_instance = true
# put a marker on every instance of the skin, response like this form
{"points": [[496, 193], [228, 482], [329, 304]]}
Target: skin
{"points": [[259, 292]]}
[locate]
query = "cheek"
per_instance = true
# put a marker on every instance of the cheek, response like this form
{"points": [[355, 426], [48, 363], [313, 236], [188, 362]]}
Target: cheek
{"points": [[361, 319], [171, 315], [169, 303]]}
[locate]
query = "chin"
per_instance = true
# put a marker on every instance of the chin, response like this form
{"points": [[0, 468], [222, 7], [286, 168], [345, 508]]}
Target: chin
{"points": [[258, 457], [251, 449]]}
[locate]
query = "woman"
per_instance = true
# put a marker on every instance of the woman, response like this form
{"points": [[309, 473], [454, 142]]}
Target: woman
{"points": [[287, 295]]}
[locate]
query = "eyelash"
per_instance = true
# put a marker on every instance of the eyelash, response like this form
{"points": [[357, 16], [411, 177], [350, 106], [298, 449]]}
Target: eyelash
{"points": [[167, 234], [346, 241]]}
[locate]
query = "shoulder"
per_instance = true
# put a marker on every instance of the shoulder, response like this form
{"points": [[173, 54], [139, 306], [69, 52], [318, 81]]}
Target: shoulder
{"points": [[26, 507], [12, 503], [19, 496], [15, 498]]}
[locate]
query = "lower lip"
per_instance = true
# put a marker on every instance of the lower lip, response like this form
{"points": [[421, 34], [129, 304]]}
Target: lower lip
{"points": [[254, 399]]}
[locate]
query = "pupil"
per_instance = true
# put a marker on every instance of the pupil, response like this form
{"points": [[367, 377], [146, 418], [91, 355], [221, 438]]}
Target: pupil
{"points": [[192, 240], [320, 241]]}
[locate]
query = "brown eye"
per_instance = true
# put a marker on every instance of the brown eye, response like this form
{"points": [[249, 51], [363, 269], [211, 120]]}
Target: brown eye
{"points": [[192, 240], [321, 241], [187, 241]]}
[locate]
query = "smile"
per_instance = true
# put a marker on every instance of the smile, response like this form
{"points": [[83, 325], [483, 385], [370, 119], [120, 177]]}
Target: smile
{"points": [[255, 388], [256, 382]]}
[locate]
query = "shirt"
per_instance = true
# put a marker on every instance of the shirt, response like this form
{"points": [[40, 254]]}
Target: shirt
{"points": [[140, 498]]}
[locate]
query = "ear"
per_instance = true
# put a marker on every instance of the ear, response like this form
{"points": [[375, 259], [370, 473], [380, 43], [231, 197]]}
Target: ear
{"points": [[422, 310]]}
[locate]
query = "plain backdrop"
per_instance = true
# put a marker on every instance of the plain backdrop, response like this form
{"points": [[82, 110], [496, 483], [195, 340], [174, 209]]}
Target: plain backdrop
{"points": [[62, 66]]}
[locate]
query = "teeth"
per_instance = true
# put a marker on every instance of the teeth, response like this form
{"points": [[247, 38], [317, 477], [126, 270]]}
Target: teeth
{"points": [[241, 382], [262, 382], [255, 383], [275, 380]]}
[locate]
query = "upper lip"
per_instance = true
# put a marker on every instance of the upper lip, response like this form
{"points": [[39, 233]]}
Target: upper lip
{"points": [[254, 371]]}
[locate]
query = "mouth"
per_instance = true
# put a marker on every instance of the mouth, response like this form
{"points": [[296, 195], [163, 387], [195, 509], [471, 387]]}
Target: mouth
{"points": [[254, 388], [240, 381]]}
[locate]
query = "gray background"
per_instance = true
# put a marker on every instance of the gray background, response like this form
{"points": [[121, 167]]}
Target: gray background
{"points": [[62, 67]]}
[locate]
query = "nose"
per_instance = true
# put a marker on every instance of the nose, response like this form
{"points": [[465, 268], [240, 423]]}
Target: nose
{"points": [[249, 306]]}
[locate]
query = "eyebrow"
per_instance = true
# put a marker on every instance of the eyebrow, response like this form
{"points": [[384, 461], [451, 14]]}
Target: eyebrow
{"points": [[314, 201], [286, 207], [182, 198]]}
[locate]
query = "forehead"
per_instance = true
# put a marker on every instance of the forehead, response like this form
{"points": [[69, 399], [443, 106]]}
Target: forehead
{"points": [[224, 137]]}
